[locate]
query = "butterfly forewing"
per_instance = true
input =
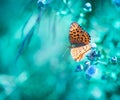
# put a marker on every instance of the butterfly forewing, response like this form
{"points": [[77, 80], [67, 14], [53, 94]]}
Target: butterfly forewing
{"points": [[79, 52], [78, 36]]}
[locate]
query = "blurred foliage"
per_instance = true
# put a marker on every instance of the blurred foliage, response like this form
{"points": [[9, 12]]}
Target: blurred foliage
{"points": [[34, 37]]}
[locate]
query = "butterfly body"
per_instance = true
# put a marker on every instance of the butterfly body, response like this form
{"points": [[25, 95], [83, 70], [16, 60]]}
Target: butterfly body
{"points": [[79, 40]]}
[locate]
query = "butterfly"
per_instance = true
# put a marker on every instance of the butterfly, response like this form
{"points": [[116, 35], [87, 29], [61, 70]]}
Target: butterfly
{"points": [[80, 41]]}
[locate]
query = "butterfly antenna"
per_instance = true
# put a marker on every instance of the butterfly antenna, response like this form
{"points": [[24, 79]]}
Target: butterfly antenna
{"points": [[65, 52]]}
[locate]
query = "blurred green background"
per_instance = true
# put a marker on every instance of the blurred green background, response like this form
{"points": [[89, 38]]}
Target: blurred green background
{"points": [[33, 38]]}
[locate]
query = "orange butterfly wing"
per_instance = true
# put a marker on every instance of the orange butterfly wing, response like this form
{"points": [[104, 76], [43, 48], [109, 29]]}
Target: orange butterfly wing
{"points": [[78, 36], [80, 39], [79, 52]]}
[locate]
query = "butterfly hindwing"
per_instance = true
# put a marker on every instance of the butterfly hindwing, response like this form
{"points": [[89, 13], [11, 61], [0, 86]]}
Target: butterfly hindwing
{"points": [[79, 52]]}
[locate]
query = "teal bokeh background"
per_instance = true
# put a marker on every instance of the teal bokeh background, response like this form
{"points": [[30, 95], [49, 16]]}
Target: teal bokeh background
{"points": [[34, 37]]}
